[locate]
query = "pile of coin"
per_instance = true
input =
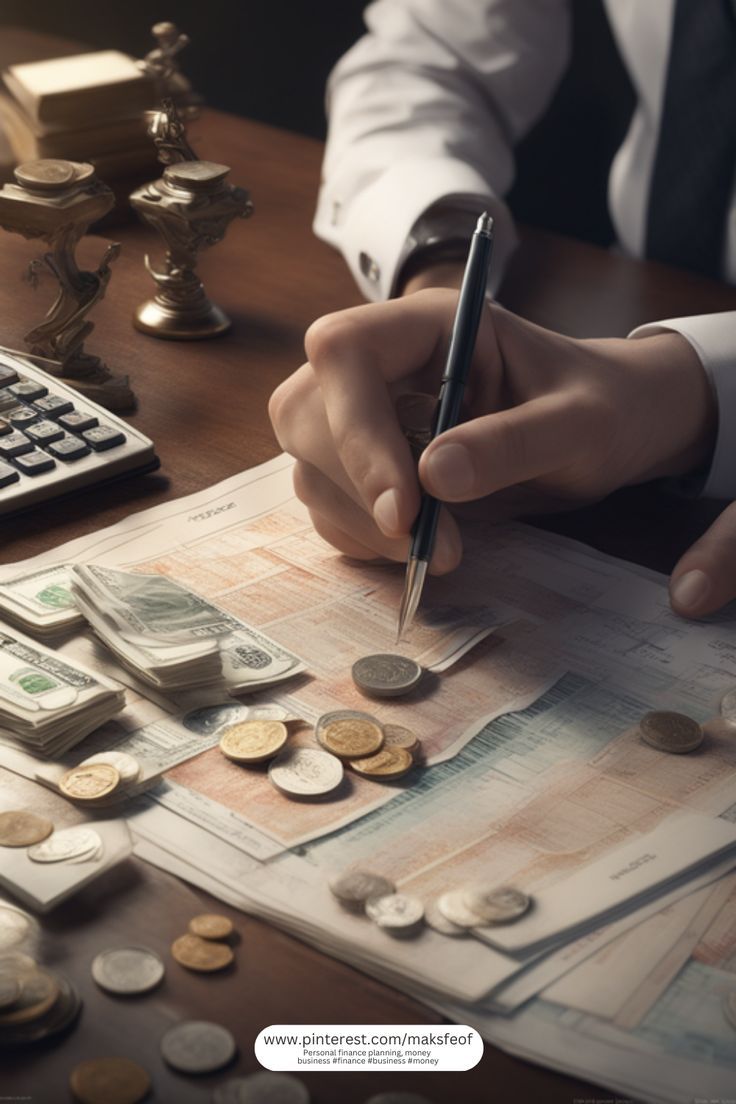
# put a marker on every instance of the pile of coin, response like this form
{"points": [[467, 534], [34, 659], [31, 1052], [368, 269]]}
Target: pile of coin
{"points": [[675, 733], [103, 779], [34, 1003], [203, 948], [383, 753]]}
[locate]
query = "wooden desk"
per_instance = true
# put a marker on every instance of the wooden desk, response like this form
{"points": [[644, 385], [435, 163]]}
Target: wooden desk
{"points": [[205, 406]]}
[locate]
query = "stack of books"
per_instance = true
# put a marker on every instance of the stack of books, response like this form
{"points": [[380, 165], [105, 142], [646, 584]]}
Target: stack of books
{"points": [[88, 107]]}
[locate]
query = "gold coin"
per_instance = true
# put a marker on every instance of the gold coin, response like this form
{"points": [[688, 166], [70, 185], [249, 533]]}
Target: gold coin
{"points": [[201, 954], [400, 736], [19, 828], [253, 741], [387, 764], [109, 1081], [38, 995], [211, 926], [351, 737], [90, 782]]}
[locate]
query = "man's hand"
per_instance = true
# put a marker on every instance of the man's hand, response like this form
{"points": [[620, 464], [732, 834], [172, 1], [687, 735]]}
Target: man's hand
{"points": [[550, 422]]}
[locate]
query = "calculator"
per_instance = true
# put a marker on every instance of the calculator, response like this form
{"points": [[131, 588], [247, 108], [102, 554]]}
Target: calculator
{"points": [[54, 441]]}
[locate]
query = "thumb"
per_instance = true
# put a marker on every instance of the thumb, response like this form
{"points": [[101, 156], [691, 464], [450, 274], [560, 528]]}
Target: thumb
{"points": [[705, 578]]}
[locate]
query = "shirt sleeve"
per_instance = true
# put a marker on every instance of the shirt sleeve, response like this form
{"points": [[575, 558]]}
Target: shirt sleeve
{"points": [[713, 336], [427, 107]]}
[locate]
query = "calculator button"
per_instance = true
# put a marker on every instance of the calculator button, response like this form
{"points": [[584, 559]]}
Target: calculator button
{"points": [[43, 432], [8, 375], [28, 390], [33, 463], [53, 405], [5, 427], [103, 437], [7, 474], [15, 444], [22, 418], [68, 448], [76, 421]]}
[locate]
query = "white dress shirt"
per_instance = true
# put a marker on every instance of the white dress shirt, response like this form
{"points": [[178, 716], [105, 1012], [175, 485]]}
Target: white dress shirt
{"points": [[425, 111]]}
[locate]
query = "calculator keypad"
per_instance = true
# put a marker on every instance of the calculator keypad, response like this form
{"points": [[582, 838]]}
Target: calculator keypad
{"points": [[38, 428]]}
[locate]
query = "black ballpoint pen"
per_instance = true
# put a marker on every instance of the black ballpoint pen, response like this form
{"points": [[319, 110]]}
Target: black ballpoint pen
{"points": [[457, 366]]}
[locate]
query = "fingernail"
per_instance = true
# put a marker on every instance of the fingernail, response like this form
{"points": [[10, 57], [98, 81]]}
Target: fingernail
{"points": [[691, 589], [450, 471], [386, 512]]}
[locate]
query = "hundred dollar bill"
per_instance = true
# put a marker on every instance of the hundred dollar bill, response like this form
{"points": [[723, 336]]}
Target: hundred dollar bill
{"points": [[41, 601]]}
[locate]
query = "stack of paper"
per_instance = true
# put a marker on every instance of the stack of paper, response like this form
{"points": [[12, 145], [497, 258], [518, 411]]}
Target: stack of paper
{"points": [[173, 639], [46, 703]]}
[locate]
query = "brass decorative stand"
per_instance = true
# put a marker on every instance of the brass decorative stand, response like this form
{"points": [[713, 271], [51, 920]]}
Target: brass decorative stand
{"points": [[57, 201], [190, 206]]}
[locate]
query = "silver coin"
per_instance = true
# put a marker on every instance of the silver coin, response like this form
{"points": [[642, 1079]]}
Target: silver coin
{"points": [[305, 772], [499, 905], [127, 767], [728, 706], [398, 1098], [11, 987], [127, 970], [395, 735], [437, 921], [262, 1088], [386, 676], [354, 887], [48, 174], [453, 908], [197, 1046], [395, 912], [68, 843], [16, 963], [15, 927], [673, 732], [729, 1007]]}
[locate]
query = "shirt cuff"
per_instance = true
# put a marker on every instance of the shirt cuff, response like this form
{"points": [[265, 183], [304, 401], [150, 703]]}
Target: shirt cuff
{"points": [[713, 337], [373, 229]]}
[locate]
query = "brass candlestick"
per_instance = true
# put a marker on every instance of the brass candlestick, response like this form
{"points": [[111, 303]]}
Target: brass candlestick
{"points": [[57, 201], [191, 206]]}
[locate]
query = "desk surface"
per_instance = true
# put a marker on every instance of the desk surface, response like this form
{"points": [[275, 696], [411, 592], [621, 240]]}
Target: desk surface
{"points": [[204, 404]]}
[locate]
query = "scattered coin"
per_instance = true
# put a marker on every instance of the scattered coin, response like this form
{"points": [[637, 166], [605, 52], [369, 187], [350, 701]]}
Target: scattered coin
{"points": [[67, 843], [11, 986], [37, 996], [126, 765], [89, 783], [211, 926], [109, 1081], [354, 887], [351, 737], [673, 732], [19, 828], [15, 927], [253, 741], [197, 1046], [728, 706], [398, 1098], [386, 676], [386, 765], [437, 921], [305, 772], [262, 1088], [395, 735], [127, 970], [500, 905], [729, 1007], [453, 908], [202, 955], [397, 913]]}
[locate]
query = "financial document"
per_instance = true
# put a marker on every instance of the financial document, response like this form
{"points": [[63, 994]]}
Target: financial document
{"points": [[541, 657]]}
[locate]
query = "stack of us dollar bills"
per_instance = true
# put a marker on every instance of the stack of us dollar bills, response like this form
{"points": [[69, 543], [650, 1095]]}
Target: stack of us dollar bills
{"points": [[47, 704], [172, 638]]}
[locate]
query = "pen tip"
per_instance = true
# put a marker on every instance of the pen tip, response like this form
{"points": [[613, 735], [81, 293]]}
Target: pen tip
{"points": [[484, 224]]}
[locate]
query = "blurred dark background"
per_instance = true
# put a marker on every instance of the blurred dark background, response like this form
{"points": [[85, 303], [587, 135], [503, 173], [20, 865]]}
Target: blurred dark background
{"points": [[269, 60]]}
